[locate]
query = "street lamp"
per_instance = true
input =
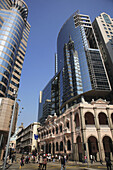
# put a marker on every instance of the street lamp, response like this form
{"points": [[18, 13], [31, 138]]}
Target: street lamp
{"points": [[10, 130]]}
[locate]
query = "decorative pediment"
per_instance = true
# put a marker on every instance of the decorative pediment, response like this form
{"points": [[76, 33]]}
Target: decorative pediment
{"points": [[99, 101]]}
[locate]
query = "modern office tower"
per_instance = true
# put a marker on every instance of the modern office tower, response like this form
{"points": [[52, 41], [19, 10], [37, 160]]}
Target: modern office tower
{"points": [[45, 95], [80, 61], [14, 32], [49, 99], [103, 27], [80, 73]]}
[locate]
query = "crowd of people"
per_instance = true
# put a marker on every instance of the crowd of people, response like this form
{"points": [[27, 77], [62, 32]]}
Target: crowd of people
{"points": [[42, 159]]}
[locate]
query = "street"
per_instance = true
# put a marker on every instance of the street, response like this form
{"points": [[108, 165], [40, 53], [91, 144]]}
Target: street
{"points": [[70, 165], [56, 166]]}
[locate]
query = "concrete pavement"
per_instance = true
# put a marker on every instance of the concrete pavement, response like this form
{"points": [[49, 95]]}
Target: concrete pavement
{"points": [[56, 166], [70, 165]]}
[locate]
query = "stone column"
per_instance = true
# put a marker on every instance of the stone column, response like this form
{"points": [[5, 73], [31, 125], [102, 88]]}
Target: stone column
{"points": [[72, 133], [76, 152], [83, 130], [96, 119], [110, 121], [100, 144], [64, 137]]}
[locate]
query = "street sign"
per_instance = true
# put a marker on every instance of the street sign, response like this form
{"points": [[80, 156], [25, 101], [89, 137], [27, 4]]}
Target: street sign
{"points": [[35, 136]]}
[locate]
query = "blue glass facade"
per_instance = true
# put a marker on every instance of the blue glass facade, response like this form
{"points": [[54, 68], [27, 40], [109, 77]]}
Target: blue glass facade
{"points": [[79, 68], [13, 42], [85, 46], [44, 95]]}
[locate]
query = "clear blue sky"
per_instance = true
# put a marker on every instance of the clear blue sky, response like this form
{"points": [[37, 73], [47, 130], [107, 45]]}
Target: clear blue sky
{"points": [[46, 18]]}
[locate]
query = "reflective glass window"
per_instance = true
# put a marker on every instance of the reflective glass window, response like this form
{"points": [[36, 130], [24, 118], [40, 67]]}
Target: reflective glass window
{"points": [[106, 18]]}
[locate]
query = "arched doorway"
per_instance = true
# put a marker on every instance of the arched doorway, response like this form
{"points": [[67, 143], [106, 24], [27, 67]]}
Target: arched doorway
{"points": [[68, 145], [53, 149], [46, 148], [107, 143], [93, 146], [80, 150], [50, 148], [61, 146]]}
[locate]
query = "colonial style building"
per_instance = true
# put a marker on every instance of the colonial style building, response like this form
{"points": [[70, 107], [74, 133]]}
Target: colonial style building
{"points": [[26, 141], [84, 129]]}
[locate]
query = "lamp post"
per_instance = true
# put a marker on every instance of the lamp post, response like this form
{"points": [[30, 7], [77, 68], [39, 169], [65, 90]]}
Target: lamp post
{"points": [[10, 130]]}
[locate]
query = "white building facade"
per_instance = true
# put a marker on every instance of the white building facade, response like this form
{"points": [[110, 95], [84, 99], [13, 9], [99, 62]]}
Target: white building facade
{"points": [[82, 130]]}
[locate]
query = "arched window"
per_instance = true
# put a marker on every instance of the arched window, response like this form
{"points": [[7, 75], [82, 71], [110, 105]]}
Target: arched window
{"points": [[77, 120], [53, 130], [60, 128], [103, 119], [61, 146], [89, 118], [67, 124], [56, 130], [56, 146], [106, 18], [112, 117], [68, 145]]}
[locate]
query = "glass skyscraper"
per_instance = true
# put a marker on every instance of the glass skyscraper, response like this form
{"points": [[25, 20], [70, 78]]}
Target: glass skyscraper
{"points": [[79, 59], [79, 70], [14, 32], [103, 27]]}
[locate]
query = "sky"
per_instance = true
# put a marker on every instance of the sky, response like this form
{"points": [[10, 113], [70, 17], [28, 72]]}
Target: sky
{"points": [[46, 18]]}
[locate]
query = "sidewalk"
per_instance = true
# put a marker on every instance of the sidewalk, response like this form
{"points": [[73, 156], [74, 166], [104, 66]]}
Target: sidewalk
{"points": [[86, 166]]}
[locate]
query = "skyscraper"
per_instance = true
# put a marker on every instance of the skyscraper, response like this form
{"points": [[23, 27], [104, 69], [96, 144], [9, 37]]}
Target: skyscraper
{"points": [[82, 65], [14, 32], [103, 27], [80, 72]]}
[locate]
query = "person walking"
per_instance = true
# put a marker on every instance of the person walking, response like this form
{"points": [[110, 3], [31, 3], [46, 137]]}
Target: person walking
{"points": [[63, 161], [40, 161], [91, 158], [21, 161], [108, 163], [44, 162]]}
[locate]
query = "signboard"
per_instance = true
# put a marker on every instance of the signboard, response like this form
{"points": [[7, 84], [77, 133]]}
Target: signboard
{"points": [[35, 136]]}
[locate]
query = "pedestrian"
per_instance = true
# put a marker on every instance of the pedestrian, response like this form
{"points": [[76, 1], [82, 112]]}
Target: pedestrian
{"points": [[22, 160], [59, 158], [44, 162], [27, 159], [91, 158], [63, 166], [40, 161], [85, 158], [101, 161], [108, 163]]}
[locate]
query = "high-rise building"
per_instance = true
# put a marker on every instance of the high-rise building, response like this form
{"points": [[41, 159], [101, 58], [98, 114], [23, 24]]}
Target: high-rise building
{"points": [[80, 73], [103, 27], [79, 60], [14, 32]]}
